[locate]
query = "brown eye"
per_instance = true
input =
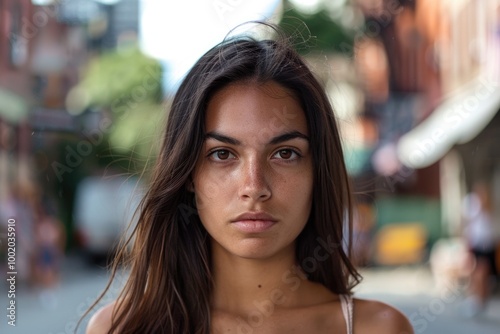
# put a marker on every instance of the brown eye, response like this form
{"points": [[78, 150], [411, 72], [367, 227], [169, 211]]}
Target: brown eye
{"points": [[222, 154], [285, 154]]}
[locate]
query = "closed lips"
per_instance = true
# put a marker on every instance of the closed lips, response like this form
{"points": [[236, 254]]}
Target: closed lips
{"points": [[254, 216]]}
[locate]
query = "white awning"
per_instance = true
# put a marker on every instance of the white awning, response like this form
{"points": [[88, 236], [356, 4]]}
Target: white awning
{"points": [[460, 118]]}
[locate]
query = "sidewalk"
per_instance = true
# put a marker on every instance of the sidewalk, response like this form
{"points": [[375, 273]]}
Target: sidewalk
{"points": [[413, 291]]}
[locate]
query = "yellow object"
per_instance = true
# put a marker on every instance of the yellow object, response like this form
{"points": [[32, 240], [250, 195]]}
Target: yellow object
{"points": [[402, 243]]}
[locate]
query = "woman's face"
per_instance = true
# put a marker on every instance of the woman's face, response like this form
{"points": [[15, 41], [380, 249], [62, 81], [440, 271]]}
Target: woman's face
{"points": [[254, 177]]}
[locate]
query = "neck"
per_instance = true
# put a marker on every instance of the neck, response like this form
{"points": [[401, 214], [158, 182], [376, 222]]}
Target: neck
{"points": [[241, 285]]}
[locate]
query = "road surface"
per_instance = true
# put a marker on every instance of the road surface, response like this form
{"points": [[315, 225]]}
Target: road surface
{"points": [[409, 289]]}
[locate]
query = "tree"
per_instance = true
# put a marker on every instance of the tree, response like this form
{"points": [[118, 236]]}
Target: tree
{"points": [[319, 31], [127, 84]]}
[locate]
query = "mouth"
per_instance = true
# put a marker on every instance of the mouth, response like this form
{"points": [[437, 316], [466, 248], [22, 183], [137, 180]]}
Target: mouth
{"points": [[254, 222], [253, 226]]}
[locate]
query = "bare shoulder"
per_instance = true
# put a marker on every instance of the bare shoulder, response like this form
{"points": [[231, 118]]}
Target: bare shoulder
{"points": [[372, 316], [100, 322]]}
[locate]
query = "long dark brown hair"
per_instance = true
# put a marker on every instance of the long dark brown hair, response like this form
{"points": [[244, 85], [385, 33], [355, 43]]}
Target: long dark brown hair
{"points": [[170, 284]]}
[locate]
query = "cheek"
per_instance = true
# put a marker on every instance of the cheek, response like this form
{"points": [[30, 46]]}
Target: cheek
{"points": [[300, 183], [211, 190], [294, 193], [206, 191], [301, 194], [207, 209], [304, 192]]}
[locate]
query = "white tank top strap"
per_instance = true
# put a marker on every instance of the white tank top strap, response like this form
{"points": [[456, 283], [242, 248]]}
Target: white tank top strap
{"points": [[347, 309]]}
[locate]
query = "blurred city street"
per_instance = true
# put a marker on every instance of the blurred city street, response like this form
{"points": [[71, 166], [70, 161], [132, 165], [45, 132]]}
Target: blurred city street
{"points": [[59, 310], [86, 87], [411, 289]]}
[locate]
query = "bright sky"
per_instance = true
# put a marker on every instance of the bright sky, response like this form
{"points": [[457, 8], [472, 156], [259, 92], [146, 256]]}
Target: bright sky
{"points": [[179, 32], [308, 6]]}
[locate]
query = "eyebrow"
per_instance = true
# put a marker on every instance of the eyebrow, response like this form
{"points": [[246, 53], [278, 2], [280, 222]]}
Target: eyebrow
{"points": [[275, 140]]}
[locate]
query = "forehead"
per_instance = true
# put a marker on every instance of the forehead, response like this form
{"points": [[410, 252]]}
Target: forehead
{"points": [[258, 110]]}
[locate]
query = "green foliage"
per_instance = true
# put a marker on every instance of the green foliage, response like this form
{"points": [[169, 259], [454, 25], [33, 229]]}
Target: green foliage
{"points": [[129, 85], [326, 34], [115, 78], [138, 133]]}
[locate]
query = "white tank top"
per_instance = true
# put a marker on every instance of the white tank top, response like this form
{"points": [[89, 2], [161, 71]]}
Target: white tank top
{"points": [[347, 310]]}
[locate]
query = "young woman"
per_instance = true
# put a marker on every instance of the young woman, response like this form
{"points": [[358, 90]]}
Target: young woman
{"points": [[242, 229]]}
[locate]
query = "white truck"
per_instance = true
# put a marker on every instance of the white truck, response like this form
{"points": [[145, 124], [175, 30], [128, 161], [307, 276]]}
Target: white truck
{"points": [[104, 208]]}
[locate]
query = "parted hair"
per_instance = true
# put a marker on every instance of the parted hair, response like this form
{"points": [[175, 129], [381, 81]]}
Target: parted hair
{"points": [[170, 284]]}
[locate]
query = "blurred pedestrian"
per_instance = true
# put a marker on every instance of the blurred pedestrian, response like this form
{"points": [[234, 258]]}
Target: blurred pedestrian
{"points": [[50, 242], [480, 236]]}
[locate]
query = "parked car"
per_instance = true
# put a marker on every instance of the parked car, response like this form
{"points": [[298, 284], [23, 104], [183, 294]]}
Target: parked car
{"points": [[104, 208]]}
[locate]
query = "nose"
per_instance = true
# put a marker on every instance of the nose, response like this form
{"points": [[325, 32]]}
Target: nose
{"points": [[254, 183]]}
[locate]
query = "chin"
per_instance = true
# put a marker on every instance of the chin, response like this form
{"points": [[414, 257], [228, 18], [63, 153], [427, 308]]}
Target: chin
{"points": [[259, 249]]}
